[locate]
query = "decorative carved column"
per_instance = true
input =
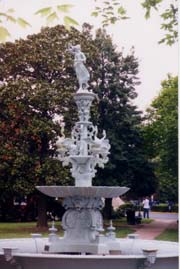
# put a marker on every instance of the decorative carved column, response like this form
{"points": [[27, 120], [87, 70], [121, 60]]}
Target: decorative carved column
{"points": [[82, 221]]}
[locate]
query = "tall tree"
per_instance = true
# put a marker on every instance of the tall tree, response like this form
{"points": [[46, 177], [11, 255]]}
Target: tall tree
{"points": [[161, 137], [36, 85], [115, 79], [27, 137]]}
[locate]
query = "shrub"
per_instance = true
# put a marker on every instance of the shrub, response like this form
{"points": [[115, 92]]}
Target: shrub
{"points": [[122, 209]]}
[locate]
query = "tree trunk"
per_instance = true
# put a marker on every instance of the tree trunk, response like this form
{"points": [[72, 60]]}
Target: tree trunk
{"points": [[42, 202], [108, 208], [3, 211], [42, 216]]}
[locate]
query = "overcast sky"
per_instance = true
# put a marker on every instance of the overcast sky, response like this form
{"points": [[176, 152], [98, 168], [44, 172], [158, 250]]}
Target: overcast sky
{"points": [[155, 60]]}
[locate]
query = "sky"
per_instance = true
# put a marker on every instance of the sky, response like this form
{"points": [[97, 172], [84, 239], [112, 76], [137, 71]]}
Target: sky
{"points": [[155, 60]]}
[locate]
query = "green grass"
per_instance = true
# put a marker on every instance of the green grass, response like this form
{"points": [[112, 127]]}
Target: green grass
{"points": [[123, 221], [147, 221], [25, 229], [123, 232], [168, 235]]}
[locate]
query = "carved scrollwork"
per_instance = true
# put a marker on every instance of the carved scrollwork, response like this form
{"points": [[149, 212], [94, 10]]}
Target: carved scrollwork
{"points": [[84, 109], [69, 219], [73, 219], [83, 217]]}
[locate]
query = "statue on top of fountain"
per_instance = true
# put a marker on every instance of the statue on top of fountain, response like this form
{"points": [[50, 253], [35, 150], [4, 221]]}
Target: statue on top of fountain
{"points": [[80, 69]]}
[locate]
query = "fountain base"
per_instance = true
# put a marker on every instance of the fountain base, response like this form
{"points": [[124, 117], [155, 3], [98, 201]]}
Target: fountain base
{"points": [[83, 222], [28, 253]]}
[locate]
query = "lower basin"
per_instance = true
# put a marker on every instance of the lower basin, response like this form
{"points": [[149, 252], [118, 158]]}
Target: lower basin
{"points": [[28, 253]]}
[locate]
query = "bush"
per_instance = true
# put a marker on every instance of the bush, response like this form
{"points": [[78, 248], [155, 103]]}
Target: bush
{"points": [[175, 208], [122, 209], [164, 208]]}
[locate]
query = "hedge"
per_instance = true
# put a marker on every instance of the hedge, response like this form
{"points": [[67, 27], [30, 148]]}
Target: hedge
{"points": [[164, 208]]}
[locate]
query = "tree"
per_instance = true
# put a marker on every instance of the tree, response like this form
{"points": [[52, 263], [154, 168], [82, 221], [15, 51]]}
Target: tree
{"points": [[38, 80], [117, 79], [36, 85], [161, 137], [27, 137]]}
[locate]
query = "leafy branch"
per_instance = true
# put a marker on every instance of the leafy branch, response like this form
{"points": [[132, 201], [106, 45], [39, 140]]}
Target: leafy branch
{"points": [[51, 14], [110, 12], [9, 16], [170, 19]]}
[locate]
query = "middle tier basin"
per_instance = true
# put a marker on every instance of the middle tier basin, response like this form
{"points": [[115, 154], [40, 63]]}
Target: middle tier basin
{"points": [[93, 191]]}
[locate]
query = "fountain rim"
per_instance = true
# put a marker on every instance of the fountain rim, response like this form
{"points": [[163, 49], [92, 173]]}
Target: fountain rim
{"points": [[92, 256], [86, 191]]}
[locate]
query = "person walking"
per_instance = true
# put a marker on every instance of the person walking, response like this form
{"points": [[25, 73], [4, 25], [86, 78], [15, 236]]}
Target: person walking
{"points": [[146, 207]]}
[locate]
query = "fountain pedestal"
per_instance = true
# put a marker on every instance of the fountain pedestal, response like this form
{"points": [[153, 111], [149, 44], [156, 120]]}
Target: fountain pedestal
{"points": [[83, 221]]}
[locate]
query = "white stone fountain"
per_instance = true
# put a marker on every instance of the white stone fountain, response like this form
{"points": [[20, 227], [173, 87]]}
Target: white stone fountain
{"points": [[82, 221], [85, 244]]}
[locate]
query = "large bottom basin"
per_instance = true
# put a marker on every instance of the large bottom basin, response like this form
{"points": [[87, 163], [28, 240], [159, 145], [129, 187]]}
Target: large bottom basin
{"points": [[29, 254]]}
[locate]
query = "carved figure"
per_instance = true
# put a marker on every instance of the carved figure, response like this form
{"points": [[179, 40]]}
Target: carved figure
{"points": [[80, 69], [100, 144]]}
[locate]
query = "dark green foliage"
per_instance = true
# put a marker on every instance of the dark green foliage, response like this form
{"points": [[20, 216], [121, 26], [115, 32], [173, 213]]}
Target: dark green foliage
{"points": [[116, 77], [161, 137], [121, 211], [37, 80], [37, 83], [26, 130]]}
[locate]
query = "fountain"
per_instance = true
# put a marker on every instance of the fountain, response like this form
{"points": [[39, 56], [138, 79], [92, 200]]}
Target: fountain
{"points": [[85, 243]]}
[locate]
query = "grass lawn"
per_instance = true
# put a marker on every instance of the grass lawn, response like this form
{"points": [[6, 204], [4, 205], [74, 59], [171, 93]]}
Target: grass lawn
{"points": [[147, 221], [124, 231], [123, 221], [24, 229], [169, 235]]}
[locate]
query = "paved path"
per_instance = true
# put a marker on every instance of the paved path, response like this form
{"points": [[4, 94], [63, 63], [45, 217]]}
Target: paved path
{"points": [[162, 215], [155, 228]]}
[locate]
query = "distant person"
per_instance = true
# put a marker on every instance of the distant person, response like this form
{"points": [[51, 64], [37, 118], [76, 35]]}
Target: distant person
{"points": [[151, 203], [146, 207], [170, 204]]}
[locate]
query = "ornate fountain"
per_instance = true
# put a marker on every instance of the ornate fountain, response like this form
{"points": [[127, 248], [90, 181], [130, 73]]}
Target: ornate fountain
{"points": [[82, 221]]}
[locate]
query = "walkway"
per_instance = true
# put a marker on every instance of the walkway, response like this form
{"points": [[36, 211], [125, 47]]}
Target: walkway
{"points": [[155, 228]]}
